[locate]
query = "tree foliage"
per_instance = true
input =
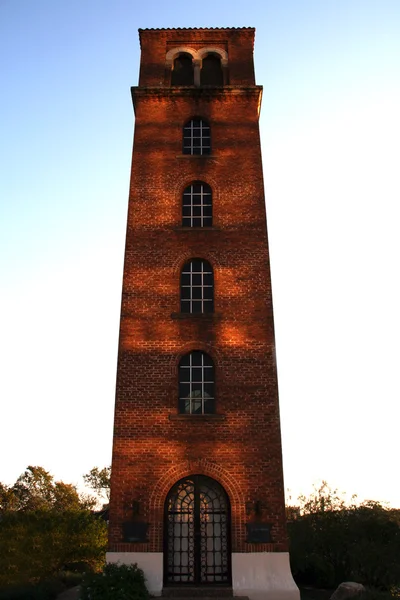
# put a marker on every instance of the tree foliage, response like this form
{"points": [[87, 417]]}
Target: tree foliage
{"points": [[99, 481], [36, 544], [36, 489], [333, 541], [46, 526]]}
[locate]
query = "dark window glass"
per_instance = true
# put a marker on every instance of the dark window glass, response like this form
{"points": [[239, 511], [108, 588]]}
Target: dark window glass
{"points": [[197, 375], [207, 211], [197, 205], [197, 278], [197, 359], [209, 405], [209, 386], [197, 293], [184, 388], [211, 71], [185, 279], [196, 137], [185, 360], [197, 210], [208, 279], [196, 307], [182, 73], [185, 375], [196, 383], [185, 293], [197, 287]]}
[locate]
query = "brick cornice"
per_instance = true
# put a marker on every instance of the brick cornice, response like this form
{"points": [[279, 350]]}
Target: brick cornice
{"points": [[228, 91]]}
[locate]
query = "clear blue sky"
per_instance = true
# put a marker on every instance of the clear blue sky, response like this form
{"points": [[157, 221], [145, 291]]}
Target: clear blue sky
{"points": [[330, 129]]}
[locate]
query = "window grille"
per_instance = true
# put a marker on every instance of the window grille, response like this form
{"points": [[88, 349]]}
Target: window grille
{"points": [[197, 205], [196, 383], [196, 137], [197, 287]]}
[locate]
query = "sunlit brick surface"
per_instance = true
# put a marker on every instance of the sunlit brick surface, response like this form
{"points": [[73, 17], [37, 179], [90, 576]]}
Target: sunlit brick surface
{"points": [[154, 446]]}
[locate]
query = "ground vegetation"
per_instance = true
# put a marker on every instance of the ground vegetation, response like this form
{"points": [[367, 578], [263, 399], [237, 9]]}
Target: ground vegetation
{"points": [[334, 540], [49, 536]]}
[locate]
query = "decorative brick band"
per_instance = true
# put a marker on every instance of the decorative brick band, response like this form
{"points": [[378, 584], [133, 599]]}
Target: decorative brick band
{"points": [[196, 54], [196, 466]]}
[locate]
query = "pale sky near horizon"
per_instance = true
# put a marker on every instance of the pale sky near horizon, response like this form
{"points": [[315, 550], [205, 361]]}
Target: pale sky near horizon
{"points": [[330, 127]]}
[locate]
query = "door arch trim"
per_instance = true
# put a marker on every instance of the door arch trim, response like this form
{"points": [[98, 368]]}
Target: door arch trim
{"points": [[201, 466]]}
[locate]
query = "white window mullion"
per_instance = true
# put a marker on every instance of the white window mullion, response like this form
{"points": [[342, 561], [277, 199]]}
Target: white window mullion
{"points": [[191, 287], [191, 205], [201, 204], [202, 286], [202, 383], [190, 383]]}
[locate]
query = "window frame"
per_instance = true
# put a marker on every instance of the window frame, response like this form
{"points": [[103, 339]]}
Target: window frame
{"points": [[198, 378], [189, 143], [197, 292], [197, 201]]}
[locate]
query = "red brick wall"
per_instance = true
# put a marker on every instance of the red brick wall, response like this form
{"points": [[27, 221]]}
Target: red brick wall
{"points": [[153, 445], [237, 42]]}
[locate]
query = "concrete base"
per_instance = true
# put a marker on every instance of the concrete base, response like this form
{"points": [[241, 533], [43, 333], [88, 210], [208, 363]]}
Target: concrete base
{"points": [[258, 575], [263, 576], [150, 562]]}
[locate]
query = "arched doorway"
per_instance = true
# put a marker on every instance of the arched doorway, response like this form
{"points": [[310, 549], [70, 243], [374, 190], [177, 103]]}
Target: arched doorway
{"points": [[197, 533]]}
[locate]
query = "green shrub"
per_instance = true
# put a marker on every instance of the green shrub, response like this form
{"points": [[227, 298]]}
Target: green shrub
{"points": [[36, 545], [45, 590], [311, 593], [119, 582], [331, 542], [372, 594], [70, 578]]}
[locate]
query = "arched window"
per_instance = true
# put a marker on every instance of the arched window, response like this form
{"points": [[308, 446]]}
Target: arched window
{"points": [[196, 137], [211, 71], [196, 383], [182, 73], [197, 205], [197, 287]]}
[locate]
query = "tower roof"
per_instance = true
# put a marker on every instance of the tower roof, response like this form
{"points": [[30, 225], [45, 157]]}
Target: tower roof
{"points": [[195, 29], [192, 30]]}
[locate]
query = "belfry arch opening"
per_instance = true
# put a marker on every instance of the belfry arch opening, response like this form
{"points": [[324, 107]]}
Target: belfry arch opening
{"points": [[211, 70], [182, 72]]}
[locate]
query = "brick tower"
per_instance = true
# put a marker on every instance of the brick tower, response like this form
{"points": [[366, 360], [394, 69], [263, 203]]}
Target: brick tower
{"points": [[197, 494]]}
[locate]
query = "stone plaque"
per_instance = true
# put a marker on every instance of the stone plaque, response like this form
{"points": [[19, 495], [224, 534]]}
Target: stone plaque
{"points": [[258, 533], [135, 532]]}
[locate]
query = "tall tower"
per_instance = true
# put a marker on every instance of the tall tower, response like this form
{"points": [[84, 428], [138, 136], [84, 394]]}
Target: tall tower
{"points": [[197, 495]]}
